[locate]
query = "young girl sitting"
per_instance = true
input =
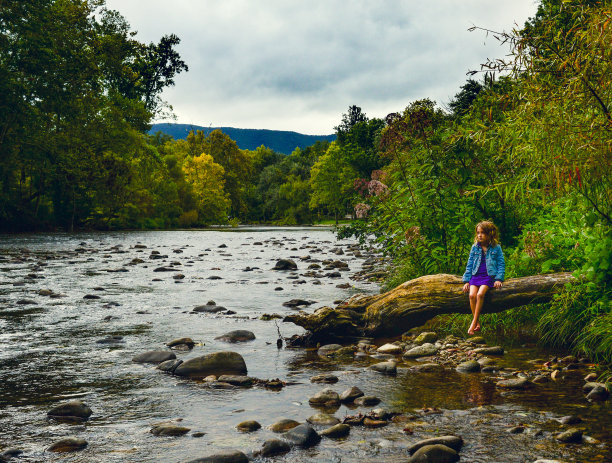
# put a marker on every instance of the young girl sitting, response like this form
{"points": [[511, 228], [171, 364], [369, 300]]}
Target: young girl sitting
{"points": [[485, 269]]}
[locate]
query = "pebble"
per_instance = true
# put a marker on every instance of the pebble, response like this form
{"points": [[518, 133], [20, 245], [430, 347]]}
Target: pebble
{"points": [[169, 430], [324, 378], [514, 383]]}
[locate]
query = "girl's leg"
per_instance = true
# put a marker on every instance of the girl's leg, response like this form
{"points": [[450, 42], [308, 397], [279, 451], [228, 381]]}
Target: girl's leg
{"points": [[480, 297], [473, 298]]}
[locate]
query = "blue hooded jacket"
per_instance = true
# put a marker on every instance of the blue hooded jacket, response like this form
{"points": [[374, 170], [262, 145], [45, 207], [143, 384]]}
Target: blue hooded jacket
{"points": [[496, 265]]}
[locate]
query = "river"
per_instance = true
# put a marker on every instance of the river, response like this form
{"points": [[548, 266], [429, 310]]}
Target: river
{"points": [[60, 294]]}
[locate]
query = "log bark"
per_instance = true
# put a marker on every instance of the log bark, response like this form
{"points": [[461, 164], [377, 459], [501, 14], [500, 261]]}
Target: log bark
{"points": [[414, 302]]}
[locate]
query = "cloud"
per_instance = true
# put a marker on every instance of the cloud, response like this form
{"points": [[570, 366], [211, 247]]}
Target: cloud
{"points": [[298, 65]]}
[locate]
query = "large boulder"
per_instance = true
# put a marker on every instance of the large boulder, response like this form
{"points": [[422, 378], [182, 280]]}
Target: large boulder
{"points": [[218, 363], [236, 336], [303, 435], [74, 410]]}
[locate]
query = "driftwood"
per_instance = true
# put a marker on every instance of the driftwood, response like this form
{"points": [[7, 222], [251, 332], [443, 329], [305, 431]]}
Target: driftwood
{"points": [[414, 302]]}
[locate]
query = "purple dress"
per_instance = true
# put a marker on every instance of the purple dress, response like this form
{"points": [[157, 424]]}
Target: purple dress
{"points": [[481, 277]]}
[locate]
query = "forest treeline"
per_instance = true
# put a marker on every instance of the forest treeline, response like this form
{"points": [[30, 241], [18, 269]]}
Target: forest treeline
{"points": [[526, 142]]}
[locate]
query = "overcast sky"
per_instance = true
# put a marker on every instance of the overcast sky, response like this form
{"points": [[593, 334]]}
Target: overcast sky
{"points": [[299, 64]]}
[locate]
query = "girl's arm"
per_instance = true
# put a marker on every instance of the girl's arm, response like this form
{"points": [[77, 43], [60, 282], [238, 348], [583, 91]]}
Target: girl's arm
{"points": [[468, 268]]}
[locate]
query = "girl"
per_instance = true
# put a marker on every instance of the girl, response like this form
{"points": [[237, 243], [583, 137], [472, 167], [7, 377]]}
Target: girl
{"points": [[485, 269]]}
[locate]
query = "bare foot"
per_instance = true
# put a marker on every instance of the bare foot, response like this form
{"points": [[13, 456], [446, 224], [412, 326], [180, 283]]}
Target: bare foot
{"points": [[477, 327], [471, 331]]}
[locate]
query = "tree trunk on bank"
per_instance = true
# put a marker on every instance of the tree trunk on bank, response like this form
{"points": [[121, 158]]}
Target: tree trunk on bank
{"points": [[414, 302]]}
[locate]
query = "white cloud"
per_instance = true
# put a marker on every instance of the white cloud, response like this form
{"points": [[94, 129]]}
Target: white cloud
{"points": [[298, 64]]}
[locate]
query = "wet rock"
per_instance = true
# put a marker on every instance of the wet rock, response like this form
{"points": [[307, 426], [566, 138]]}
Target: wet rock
{"points": [[571, 436], [214, 277], [588, 387], [424, 350], [426, 337], [367, 401], [570, 419], [351, 394], [338, 430], [540, 379], [248, 426], [237, 380], [324, 378], [178, 276], [303, 436], [495, 350], [154, 356], [11, 453], [75, 409], [169, 430], [328, 349], [598, 393], [88, 296], [427, 368], [209, 308], [164, 269], [236, 336], [169, 365], [548, 461], [229, 456], [45, 292], [516, 430], [388, 368], [70, 444], [274, 447], [218, 363], [477, 340], [326, 397], [181, 342], [514, 383], [284, 425], [285, 264], [296, 303], [471, 366], [436, 453], [389, 349], [323, 419], [590, 377]]}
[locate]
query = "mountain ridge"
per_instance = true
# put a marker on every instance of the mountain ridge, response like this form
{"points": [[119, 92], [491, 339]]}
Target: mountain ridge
{"points": [[281, 141]]}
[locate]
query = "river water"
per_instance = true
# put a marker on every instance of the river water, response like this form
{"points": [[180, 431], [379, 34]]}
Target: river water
{"points": [[50, 354]]}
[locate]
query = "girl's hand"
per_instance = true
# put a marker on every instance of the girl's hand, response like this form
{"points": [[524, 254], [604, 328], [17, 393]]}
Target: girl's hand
{"points": [[466, 287], [497, 284]]}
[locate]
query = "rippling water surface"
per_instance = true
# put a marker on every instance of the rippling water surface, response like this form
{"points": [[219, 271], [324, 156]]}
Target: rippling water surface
{"points": [[49, 354]]}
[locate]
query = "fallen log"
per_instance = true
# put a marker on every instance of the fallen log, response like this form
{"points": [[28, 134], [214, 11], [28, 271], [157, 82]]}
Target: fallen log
{"points": [[414, 302]]}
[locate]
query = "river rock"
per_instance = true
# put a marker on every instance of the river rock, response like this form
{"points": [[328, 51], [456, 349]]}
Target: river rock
{"points": [[303, 436], [436, 453], [70, 444], [514, 383], [328, 349], [389, 349], [154, 356], [323, 419], [237, 380], [284, 425], [209, 309], [351, 394], [471, 366], [169, 365], [111, 340], [426, 337], [218, 363], [285, 264], [454, 442], [236, 336], [181, 342], [570, 419], [570, 436], [71, 410], [229, 456], [273, 447], [338, 430], [367, 401], [540, 379], [424, 350], [326, 378], [598, 393], [427, 368], [169, 430], [495, 350], [248, 426], [388, 368], [590, 385], [326, 397]]}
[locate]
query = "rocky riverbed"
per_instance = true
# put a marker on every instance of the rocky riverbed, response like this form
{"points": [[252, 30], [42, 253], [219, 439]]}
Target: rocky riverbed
{"points": [[170, 346]]}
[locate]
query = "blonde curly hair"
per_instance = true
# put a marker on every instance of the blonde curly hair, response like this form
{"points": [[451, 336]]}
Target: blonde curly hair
{"points": [[489, 229]]}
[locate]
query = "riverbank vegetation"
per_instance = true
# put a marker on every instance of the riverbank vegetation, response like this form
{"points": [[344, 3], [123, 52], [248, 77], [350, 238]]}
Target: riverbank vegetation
{"points": [[526, 142]]}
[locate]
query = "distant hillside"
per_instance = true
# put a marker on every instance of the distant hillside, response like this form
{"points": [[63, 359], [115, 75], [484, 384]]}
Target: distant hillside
{"points": [[248, 139]]}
